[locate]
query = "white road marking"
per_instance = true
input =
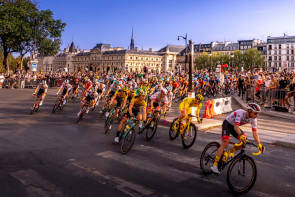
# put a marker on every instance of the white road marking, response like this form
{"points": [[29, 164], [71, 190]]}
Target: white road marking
{"points": [[172, 174], [170, 155], [36, 185], [122, 185]]}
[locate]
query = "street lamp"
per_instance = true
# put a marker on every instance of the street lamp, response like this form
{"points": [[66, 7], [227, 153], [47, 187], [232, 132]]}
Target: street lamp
{"points": [[185, 38]]}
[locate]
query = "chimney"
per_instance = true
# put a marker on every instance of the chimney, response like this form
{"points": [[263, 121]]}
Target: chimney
{"points": [[150, 49], [136, 49]]}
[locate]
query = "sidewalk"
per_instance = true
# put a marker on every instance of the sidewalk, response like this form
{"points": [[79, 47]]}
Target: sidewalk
{"points": [[205, 125], [276, 136], [271, 113]]}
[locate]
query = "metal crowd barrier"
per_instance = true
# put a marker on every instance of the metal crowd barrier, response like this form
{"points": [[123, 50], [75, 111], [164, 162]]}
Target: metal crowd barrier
{"points": [[268, 98]]}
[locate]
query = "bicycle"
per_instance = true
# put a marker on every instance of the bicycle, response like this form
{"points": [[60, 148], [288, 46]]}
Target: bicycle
{"points": [[151, 125], [36, 105], [238, 161], [128, 136], [109, 120], [83, 112], [188, 130], [59, 104]]}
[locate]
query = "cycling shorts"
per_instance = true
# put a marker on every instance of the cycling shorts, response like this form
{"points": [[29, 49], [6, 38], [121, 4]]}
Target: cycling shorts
{"points": [[228, 129]]}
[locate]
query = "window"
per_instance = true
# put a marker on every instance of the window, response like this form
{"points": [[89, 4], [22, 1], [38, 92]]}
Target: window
{"points": [[279, 58], [292, 51], [269, 64], [287, 51], [280, 64], [292, 64], [280, 46], [275, 58], [270, 58], [287, 58]]}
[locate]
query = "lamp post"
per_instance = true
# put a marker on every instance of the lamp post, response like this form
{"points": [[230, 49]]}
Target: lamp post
{"points": [[186, 58]]}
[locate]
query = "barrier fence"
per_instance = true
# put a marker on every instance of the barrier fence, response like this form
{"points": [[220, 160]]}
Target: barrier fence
{"points": [[277, 99], [33, 83]]}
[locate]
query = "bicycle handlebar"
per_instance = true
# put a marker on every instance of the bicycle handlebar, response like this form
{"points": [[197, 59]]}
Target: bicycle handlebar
{"points": [[250, 143]]}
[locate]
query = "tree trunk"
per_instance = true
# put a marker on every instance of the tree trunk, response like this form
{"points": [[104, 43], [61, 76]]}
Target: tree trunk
{"points": [[21, 61], [5, 60]]}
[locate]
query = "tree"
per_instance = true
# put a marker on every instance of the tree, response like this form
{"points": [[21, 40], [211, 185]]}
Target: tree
{"points": [[23, 26]]}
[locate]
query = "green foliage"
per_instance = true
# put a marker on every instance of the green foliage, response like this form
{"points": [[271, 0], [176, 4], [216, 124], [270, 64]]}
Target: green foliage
{"points": [[251, 59], [22, 25]]}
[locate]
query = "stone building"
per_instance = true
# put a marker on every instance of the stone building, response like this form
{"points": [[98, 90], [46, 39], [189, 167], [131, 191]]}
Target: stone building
{"points": [[280, 53], [103, 57]]}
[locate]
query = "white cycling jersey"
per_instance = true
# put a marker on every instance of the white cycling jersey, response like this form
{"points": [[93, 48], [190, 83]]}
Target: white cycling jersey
{"points": [[238, 117], [156, 98]]}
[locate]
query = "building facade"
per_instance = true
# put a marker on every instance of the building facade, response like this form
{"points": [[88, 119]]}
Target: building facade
{"points": [[280, 53]]}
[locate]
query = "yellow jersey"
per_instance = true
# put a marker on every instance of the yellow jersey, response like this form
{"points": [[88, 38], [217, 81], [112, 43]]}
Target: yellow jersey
{"points": [[187, 105]]}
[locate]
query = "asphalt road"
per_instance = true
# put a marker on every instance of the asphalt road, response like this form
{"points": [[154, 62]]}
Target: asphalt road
{"points": [[47, 154]]}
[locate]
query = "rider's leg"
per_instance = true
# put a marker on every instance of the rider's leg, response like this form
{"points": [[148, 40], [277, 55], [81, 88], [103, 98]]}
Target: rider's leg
{"points": [[120, 127], [223, 146]]}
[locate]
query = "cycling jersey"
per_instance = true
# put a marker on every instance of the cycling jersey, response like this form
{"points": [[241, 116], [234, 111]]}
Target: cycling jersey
{"points": [[41, 90], [137, 103], [238, 117], [187, 105], [156, 98]]}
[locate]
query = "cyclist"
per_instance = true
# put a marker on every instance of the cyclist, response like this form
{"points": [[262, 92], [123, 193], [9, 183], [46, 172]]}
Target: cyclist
{"points": [[120, 99], [186, 105], [87, 86], [41, 91], [75, 88], [66, 88], [89, 99], [137, 108], [231, 125], [159, 98]]}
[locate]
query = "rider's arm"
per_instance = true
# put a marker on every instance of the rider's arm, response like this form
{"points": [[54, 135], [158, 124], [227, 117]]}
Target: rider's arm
{"points": [[237, 129], [130, 108], [37, 89], [144, 113]]}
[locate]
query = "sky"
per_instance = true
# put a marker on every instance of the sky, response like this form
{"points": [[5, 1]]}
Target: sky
{"points": [[157, 23]]}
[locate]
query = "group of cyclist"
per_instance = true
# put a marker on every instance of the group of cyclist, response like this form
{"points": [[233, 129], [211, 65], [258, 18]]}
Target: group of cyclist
{"points": [[137, 97]]}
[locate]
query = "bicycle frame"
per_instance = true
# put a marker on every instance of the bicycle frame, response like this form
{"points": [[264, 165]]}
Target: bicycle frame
{"points": [[187, 126], [130, 122]]}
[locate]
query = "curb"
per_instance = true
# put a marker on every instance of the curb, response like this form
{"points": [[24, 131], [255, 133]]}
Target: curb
{"points": [[284, 144], [264, 113]]}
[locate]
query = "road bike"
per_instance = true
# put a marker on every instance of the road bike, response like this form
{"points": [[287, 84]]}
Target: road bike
{"points": [[109, 120], [242, 171], [59, 104], [84, 110], [128, 136], [188, 131], [36, 105], [151, 124]]}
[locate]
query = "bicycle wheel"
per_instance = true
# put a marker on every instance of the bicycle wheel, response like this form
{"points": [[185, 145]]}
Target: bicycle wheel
{"points": [[188, 138], [54, 108], [241, 175], [151, 129], [174, 130], [108, 124], [128, 141], [80, 117], [208, 157]]}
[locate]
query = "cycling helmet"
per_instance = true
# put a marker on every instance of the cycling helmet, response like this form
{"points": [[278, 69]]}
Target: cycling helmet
{"points": [[66, 81], [254, 107], [163, 91], [199, 97], [43, 82], [118, 82], [140, 92]]}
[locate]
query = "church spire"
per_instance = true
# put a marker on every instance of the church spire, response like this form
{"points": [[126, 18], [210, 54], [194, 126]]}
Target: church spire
{"points": [[132, 41]]}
